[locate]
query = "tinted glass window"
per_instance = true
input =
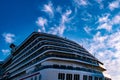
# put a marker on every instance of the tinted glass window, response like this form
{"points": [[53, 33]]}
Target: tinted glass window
{"points": [[84, 77], [76, 77], [61, 76], [68, 76]]}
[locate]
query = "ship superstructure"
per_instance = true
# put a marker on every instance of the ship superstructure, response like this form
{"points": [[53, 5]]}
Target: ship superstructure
{"points": [[43, 56]]}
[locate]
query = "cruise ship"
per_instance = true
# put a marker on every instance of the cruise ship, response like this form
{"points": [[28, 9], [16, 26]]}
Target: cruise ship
{"points": [[43, 56]]}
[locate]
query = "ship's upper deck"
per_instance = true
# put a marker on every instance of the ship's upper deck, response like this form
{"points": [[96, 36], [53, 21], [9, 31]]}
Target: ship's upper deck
{"points": [[56, 39]]}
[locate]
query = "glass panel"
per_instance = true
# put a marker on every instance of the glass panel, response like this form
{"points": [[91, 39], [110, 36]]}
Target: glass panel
{"points": [[96, 78], [61, 76], [84, 77], [100, 78], [76, 77], [69, 77], [35, 77], [90, 77]]}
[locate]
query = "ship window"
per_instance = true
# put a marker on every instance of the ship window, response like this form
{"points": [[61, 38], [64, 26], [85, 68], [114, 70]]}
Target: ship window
{"points": [[31, 78], [76, 77], [39, 77], [100, 78], [35, 78], [96, 78], [61, 76], [90, 77], [68, 76], [84, 77]]}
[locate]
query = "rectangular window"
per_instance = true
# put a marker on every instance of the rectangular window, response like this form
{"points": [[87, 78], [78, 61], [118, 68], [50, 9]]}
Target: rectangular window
{"points": [[32, 78], [76, 77], [68, 76], [61, 76], [96, 78], [90, 78], [100, 78], [84, 77], [35, 78], [39, 77]]}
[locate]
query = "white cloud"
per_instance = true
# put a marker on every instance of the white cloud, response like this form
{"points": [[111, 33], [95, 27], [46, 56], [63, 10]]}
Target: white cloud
{"points": [[106, 26], [59, 9], [114, 4], [58, 18], [87, 29], [59, 29], [80, 3], [99, 38], [39, 30], [116, 19], [104, 18], [106, 48], [104, 23], [9, 38], [86, 16], [48, 8], [101, 6], [65, 17], [53, 30], [114, 40], [41, 22], [83, 2], [5, 51]]}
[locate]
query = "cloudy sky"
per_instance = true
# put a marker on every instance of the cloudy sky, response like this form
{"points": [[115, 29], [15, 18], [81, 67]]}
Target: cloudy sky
{"points": [[95, 24]]}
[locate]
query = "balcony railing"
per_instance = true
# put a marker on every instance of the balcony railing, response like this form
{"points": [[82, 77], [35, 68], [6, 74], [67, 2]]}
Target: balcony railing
{"points": [[70, 57], [40, 59], [55, 66], [17, 59], [52, 47]]}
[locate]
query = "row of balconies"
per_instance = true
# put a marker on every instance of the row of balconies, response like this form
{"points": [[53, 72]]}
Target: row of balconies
{"points": [[39, 39], [32, 44], [65, 56], [36, 47], [24, 55], [26, 42], [56, 40], [55, 66], [20, 54], [28, 63]]}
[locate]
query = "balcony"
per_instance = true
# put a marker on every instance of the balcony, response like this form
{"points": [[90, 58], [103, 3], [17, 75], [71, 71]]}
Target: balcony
{"points": [[50, 55], [55, 66]]}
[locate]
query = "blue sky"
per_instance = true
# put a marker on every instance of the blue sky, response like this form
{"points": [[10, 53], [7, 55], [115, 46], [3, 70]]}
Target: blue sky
{"points": [[95, 24]]}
